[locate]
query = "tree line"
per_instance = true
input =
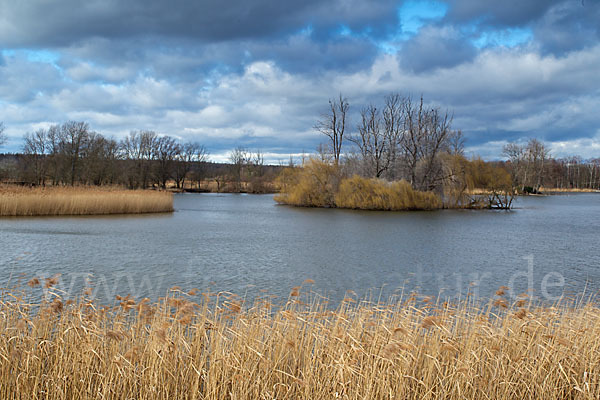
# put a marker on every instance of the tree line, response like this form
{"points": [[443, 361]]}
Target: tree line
{"points": [[532, 168], [403, 139], [73, 154], [398, 139]]}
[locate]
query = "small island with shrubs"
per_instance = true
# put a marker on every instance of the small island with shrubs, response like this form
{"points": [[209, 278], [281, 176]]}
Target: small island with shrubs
{"points": [[405, 157]]}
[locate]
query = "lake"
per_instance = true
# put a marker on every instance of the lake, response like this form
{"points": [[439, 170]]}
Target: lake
{"points": [[249, 245]]}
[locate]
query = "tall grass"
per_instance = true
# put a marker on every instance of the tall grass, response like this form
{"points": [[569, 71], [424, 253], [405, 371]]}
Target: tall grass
{"points": [[211, 346], [313, 185], [321, 184], [18, 201], [374, 194]]}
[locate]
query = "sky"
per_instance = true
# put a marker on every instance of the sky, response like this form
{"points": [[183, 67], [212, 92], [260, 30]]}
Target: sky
{"points": [[259, 73]]}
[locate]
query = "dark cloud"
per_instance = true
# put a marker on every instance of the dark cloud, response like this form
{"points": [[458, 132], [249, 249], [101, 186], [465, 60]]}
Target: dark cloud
{"points": [[185, 60], [568, 26], [505, 13], [41, 23], [301, 54], [436, 47], [559, 26]]}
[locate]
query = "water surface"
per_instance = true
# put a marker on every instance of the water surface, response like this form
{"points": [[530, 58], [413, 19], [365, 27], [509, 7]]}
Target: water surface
{"points": [[248, 245]]}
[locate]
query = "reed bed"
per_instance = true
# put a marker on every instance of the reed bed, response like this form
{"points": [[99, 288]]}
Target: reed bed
{"points": [[214, 346], [19, 201], [567, 190]]}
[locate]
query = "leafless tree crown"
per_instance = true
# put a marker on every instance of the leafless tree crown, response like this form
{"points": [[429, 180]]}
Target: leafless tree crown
{"points": [[333, 125]]}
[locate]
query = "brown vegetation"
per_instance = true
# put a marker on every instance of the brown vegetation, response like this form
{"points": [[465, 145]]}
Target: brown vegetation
{"points": [[313, 185], [375, 194], [323, 184], [215, 347], [477, 184], [546, 190], [23, 201]]}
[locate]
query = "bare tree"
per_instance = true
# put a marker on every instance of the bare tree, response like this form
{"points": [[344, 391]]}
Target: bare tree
{"points": [[379, 134], [411, 140], [191, 153], [538, 154], [2, 135], [256, 164], [167, 151], [456, 143], [333, 125], [199, 164], [437, 132], [239, 158], [516, 163], [425, 137], [393, 118], [140, 147], [55, 156], [99, 160], [323, 152], [527, 164], [73, 138], [371, 142], [35, 153]]}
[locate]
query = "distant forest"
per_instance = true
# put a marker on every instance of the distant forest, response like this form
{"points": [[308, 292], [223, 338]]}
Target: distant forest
{"points": [[401, 140], [73, 154]]}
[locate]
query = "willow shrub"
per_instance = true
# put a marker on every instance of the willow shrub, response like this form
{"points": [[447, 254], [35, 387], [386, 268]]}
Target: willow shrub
{"points": [[376, 194], [314, 185], [319, 184]]}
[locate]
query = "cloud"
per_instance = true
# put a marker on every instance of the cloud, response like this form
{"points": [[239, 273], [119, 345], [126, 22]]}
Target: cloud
{"points": [[259, 74], [568, 26], [507, 13], [436, 47], [559, 26], [21, 80], [39, 23]]}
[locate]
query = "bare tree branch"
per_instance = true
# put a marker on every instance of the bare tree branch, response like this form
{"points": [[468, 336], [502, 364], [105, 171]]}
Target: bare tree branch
{"points": [[333, 125]]}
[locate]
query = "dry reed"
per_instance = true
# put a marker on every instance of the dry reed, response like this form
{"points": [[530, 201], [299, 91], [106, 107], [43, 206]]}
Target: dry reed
{"points": [[568, 190], [215, 347], [320, 184], [18, 201]]}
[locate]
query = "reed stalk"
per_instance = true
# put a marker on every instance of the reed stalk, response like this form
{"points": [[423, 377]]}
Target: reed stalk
{"points": [[216, 346], [18, 201]]}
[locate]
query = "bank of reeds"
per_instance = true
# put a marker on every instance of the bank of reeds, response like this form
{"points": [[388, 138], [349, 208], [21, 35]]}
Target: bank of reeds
{"points": [[213, 346], [545, 190], [23, 201], [321, 184], [375, 194]]}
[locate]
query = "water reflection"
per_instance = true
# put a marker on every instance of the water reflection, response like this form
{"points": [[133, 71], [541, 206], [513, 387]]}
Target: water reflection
{"points": [[246, 244]]}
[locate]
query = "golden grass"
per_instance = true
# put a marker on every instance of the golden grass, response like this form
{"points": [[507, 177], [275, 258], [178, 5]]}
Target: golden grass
{"points": [[566, 190], [376, 194], [215, 347], [18, 201], [313, 185], [320, 184]]}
